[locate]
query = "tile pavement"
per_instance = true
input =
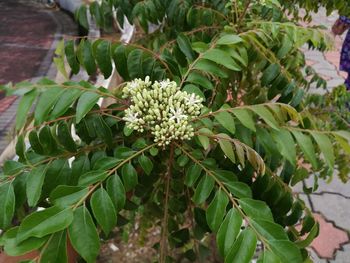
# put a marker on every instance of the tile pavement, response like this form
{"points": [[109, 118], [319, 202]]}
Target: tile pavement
{"points": [[26, 49], [331, 202]]}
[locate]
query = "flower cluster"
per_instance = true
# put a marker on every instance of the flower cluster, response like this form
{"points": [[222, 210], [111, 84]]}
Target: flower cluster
{"points": [[161, 108]]}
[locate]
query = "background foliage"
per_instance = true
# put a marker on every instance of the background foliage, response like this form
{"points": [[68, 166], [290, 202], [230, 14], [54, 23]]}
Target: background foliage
{"points": [[256, 138]]}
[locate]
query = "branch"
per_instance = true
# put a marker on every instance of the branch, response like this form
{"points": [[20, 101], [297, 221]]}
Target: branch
{"points": [[164, 237]]}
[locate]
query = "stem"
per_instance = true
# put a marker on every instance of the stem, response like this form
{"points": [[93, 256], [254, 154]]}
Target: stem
{"points": [[93, 187], [164, 236], [233, 200]]}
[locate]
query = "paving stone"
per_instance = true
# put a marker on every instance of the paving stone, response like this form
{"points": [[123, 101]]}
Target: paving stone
{"points": [[342, 256], [335, 82], [334, 207]]}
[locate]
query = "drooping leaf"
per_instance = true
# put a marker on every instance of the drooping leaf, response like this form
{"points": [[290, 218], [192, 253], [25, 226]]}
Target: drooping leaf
{"points": [[192, 174], [24, 107], [129, 175], [7, 204], [116, 191], [55, 250], [244, 247], [217, 210], [203, 190], [306, 146], [226, 146], [103, 210], [103, 58], [35, 180], [228, 231], [326, 147], [146, 164], [83, 235]]}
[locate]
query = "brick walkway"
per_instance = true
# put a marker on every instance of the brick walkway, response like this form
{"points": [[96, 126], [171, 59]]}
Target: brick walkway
{"points": [[331, 203], [29, 33]]}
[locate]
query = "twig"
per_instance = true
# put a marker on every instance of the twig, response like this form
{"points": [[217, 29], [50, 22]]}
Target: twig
{"points": [[164, 236]]}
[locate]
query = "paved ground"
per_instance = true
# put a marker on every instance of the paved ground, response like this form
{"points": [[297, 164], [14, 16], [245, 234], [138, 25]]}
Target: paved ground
{"points": [[29, 33], [26, 50], [331, 203]]}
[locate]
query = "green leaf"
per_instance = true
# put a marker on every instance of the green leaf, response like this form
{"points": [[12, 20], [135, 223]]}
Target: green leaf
{"points": [[103, 58], [24, 107], [129, 176], [106, 163], [226, 120], [46, 102], [326, 147], [14, 248], [185, 46], [243, 249], [21, 147], [287, 251], [47, 141], [203, 190], [229, 39], [65, 138], [268, 257], [65, 196], [239, 189], [310, 237], [55, 250], [256, 209], [226, 146], [146, 164], [286, 145], [222, 58], [86, 57], [134, 63], [228, 231], [269, 230], [45, 222], [196, 78], [210, 67], [83, 235], [116, 191], [245, 118], [270, 74], [192, 174], [92, 177], [203, 139], [306, 146], [35, 180], [103, 210], [7, 204], [81, 16], [35, 143], [67, 98], [71, 56], [217, 210], [85, 104], [182, 160], [266, 115]]}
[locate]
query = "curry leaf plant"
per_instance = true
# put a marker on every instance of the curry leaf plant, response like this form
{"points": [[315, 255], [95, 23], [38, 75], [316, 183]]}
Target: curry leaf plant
{"points": [[202, 141]]}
